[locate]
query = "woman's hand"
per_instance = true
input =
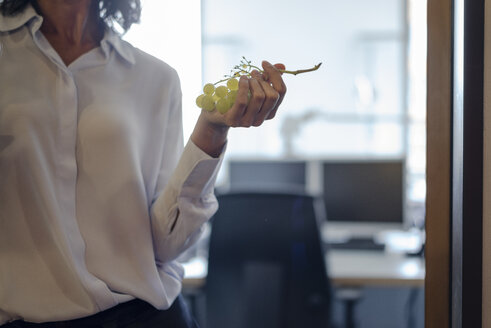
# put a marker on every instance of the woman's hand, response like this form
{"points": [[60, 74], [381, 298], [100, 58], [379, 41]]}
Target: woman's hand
{"points": [[267, 91]]}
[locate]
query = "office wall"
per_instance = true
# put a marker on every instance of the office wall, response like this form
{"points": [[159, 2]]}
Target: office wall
{"points": [[487, 173]]}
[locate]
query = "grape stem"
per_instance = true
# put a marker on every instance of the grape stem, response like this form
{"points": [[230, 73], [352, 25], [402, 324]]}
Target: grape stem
{"points": [[245, 69], [316, 67]]}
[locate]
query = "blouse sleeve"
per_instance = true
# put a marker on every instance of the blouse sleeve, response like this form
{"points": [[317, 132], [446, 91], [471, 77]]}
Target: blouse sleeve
{"points": [[185, 197]]}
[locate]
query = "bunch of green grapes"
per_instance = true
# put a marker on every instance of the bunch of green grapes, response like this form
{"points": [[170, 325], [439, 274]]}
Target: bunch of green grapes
{"points": [[220, 98], [221, 95]]}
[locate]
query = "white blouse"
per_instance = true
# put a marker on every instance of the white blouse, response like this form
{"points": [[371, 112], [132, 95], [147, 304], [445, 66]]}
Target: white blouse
{"points": [[98, 196]]}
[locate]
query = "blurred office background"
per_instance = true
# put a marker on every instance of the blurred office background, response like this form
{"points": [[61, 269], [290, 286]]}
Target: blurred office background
{"points": [[366, 103]]}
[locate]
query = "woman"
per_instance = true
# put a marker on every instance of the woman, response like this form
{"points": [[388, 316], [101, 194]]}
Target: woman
{"points": [[98, 196]]}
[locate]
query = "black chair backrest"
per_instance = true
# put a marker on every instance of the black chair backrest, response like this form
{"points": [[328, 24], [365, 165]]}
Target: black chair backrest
{"points": [[266, 263]]}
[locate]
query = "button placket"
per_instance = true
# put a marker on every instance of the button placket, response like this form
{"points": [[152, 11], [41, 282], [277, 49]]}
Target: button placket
{"points": [[67, 172], [69, 134]]}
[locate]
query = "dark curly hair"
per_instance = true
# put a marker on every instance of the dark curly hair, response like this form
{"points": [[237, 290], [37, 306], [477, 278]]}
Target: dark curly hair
{"points": [[121, 12]]}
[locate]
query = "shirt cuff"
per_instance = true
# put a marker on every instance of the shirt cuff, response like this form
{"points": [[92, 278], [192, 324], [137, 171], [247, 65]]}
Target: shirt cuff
{"points": [[199, 171]]}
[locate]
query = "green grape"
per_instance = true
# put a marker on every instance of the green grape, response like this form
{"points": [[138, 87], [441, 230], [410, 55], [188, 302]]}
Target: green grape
{"points": [[208, 103], [223, 105], [232, 95], [221, 91], [208, 89], [233, 84], [199, 100]]}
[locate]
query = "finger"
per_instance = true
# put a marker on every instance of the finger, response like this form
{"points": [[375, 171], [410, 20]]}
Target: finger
{"points": [[233, 117], [255, 103], [270, 100], [274, 77], [279, 66]]}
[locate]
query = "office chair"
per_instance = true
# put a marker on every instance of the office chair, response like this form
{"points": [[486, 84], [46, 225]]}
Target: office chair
{"points": [[266, 264]]}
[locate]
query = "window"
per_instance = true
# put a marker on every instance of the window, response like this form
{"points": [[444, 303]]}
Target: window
{"points": [[368, 98]]}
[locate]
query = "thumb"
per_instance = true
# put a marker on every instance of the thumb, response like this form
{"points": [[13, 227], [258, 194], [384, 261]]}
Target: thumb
{"points": [[279, 66]]}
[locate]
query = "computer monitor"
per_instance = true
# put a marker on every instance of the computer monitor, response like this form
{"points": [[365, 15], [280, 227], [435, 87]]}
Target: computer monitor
{"points": [[364, 191], [267, 175]]}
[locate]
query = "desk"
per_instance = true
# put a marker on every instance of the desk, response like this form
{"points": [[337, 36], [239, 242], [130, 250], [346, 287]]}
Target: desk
{"points": [[351, 268], [346, 268]]}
